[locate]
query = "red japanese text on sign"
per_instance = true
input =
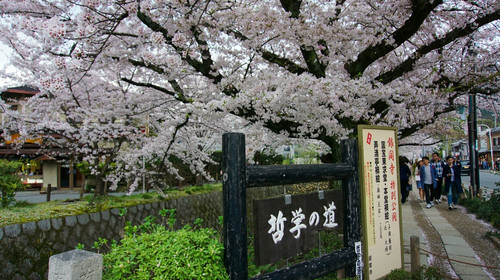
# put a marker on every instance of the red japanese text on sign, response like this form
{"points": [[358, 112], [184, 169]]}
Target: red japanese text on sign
{"points": [[390, 142], [391, 155], [394, 216], [369, 138]]}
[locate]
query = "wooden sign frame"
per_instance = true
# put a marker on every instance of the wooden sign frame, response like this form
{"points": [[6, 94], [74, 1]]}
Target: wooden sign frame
{"points": [[380, 201]]}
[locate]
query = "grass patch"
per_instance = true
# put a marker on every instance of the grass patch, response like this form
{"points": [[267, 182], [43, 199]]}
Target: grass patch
{"points": [[23, 211]]}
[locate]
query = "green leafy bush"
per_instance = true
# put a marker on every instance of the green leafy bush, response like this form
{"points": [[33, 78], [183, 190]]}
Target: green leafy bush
{"points": [[424, 273], [268, 157], [488, 210], [10, 183], [156, 251]]}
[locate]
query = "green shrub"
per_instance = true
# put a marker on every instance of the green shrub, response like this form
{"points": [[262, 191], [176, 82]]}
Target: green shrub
{"points": [[488, 210], [399, 274], [268, 157], [152, 251], [10, 183], [23, 203], [424, 273]]}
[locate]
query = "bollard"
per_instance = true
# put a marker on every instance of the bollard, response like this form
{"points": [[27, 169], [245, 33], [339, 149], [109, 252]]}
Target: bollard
{"points": [[75, 265], [415, 253], [49, 189]]}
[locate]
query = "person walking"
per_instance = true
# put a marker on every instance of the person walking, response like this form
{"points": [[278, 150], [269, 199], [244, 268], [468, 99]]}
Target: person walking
{"points": [[453, 182], [438, 164], [418, 182], [428, 177], [404, 177]]}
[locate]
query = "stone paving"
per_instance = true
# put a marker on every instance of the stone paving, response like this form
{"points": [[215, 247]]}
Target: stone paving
{"points": [[455, 245]]}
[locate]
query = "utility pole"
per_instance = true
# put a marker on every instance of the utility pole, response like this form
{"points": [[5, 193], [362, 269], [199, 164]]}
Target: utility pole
{"points": [[472, 129]]}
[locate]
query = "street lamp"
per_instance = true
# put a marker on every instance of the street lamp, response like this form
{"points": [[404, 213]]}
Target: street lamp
{"points": [[491, 146]]}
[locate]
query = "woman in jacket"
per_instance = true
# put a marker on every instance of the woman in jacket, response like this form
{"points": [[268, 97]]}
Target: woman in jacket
{"points": [[452, 182]]}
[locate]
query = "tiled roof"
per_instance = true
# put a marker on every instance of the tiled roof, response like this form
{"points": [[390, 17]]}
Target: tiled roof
{"points": [[23, 90]]}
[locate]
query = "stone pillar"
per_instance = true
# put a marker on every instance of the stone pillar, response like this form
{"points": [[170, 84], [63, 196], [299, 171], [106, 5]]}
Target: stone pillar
{"points": [[75, 264]]}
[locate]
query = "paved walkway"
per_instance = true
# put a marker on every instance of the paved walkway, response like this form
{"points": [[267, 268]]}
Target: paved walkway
{"points": [[455, 245]]}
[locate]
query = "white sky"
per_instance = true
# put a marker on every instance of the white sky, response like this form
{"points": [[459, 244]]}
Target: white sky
{"points": [[5, 53]]}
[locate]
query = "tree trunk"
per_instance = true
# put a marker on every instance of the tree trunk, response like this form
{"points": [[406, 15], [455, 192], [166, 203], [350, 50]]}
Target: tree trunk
{"points": [[99, 186]]}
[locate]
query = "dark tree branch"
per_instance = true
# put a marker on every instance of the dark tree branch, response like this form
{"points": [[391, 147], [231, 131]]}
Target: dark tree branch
{"points": [[175, 85], [292, 6], [407, 65], [313, 64], [206, 66], [283, 62], [419, 143], [271, 57], [405, 132], [177, 95], [420, 12]]}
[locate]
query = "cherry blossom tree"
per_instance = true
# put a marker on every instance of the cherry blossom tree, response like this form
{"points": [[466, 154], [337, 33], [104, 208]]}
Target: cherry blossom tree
{"points": [[277, 70]]}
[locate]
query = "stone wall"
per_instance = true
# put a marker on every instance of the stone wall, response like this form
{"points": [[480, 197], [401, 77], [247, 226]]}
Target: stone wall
{"points": [[25, 249]]}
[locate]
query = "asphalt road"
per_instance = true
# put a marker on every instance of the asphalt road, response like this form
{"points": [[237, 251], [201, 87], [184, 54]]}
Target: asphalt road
{"points": [[486, 179]]}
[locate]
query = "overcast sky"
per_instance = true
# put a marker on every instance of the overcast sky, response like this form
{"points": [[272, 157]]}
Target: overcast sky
{"points": [[4, 62]]}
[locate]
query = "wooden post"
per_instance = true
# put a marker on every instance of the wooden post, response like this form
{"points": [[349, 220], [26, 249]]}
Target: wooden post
{"points": [[84, 185], [415, 253], [352, 203], [49, 190], [234, 205], [71, 175]]}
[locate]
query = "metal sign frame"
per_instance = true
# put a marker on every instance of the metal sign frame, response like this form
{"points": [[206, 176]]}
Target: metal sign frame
{"points": [[237, 177]]}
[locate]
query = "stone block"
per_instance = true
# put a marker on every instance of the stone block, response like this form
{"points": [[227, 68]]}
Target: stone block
{"points": [[44, 225], [34, 276], [132, 210], [1, 233], [83, 219], [70, 221], [96, 217], [105, 215], [29, 228], [12, 230], [57, 223], [115, 211], [8, 270], [75, 264]]}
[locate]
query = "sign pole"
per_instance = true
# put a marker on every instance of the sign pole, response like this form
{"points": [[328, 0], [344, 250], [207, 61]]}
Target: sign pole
{"points": [[234, 205], [350, 190]]}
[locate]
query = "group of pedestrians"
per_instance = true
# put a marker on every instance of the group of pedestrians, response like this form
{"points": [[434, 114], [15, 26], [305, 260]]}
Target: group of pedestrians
{"points": [[430, 176]]}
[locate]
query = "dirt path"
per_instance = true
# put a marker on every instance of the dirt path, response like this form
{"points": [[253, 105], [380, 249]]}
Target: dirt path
{"points": [[472, 230], [434, 241]]}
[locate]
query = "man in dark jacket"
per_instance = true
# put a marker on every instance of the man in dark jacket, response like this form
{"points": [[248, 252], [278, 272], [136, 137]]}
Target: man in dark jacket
{"points": [[404, 177], [438, 164], [452, 182]]}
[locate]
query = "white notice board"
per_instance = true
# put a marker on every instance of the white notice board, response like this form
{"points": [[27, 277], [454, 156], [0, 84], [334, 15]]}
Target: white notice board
{"points": [[380, 201]]}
